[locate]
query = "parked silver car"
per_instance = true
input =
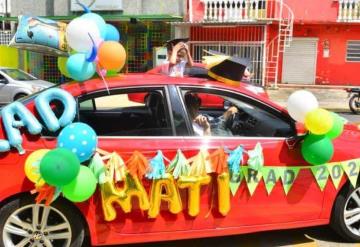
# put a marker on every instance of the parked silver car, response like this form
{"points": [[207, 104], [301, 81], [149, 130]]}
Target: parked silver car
{"points": [[15, 84]]}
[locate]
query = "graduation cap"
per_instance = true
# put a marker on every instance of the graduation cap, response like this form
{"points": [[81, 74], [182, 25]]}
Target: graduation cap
{"points": [[172, 42], [225, 68]]}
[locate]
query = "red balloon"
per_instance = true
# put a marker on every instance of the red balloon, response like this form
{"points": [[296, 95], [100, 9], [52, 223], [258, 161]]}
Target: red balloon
{"points": [[112, 55]]}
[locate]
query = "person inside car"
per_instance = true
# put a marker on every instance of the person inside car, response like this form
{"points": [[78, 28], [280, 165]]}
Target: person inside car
{"points": [[204, 125], [178, 58]]}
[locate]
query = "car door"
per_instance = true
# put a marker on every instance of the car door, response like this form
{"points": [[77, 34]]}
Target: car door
{"points": [[124, 126], [273, 130]]}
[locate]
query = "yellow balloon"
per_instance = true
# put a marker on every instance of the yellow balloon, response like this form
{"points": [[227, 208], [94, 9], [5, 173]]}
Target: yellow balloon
{"points": [[110, 195], [165, 190], [32, 166], [193, 185], [319, 121], [223, 193]]}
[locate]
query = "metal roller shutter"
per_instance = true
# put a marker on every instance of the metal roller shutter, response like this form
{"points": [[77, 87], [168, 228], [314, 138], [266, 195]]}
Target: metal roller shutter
{"points": [[299, 63]]}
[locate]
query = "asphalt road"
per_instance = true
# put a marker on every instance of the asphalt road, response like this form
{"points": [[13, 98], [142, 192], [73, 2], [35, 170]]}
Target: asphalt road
{"points": [[322, 236]]}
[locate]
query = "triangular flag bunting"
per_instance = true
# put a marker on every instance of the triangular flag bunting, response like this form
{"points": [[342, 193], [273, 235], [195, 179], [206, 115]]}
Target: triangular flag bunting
{"points": [[252, 178], [336, 173], [270, 176], [321, 175], [351, 168], [235, 181], [288, 176]]}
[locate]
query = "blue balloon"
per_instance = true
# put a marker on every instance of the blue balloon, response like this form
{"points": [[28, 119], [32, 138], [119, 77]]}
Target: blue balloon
{"points": [[79, 69], [112, 33], [42, 103], [99, 21], [12, 125], [80, 138]]}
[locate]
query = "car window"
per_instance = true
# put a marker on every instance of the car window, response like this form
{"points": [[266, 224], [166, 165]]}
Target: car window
{"points": [[219, 113], [121, 113], [18, 75]]}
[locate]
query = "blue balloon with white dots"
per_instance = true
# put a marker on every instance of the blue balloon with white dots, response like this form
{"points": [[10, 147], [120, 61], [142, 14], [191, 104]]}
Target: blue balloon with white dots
{"points": [[80, 139]]}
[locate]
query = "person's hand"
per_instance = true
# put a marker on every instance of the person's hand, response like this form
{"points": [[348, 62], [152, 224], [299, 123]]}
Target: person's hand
{"points": [[178, 47], [231, 111], [203, 122]]}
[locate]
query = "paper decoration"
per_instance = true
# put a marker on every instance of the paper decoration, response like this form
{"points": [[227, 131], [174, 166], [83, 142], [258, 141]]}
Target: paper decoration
{"points": [[256, 157], [97, 166], [157, 167], [351, 169], [200, 165], [218, 161], [137, 165], [252, 178], [321, 175], [336, 173], [179, 166], [270, 176]]}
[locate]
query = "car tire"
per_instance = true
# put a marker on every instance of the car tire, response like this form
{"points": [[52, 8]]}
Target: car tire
{"points": [[343, 214], [17, 219], [19, 96]]}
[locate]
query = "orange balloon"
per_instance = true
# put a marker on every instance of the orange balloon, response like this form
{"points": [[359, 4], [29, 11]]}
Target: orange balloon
{"points": [[112, 55]]}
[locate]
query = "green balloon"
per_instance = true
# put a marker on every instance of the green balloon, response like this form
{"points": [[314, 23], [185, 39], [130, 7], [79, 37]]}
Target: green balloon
{"points": [[82, 187], [59, 167], [111, 73], [62, 66], [337, 128], [317, 149]]}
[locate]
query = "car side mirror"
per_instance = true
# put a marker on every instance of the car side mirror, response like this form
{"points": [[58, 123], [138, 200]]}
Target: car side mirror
{"points": [[300, 129], [3, 81]]}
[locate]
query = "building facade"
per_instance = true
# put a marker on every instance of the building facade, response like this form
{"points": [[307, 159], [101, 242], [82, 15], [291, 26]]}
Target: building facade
{"points": [[143, 25], [286, 41]]}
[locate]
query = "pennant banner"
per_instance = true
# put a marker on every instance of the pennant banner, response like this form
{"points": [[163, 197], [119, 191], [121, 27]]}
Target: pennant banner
{"points": [[321, 174], [270, 176], [288, 176], [336, 173], [351, 169], [252, 178]]}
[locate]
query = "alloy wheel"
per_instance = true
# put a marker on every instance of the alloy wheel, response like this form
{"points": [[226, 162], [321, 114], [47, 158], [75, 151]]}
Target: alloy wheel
{"points": [[37, 225]]}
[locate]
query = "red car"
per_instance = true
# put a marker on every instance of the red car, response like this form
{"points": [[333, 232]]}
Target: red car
{"points": [[162, 122]]}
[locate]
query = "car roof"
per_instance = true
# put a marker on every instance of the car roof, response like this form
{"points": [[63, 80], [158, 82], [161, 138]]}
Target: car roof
{"points": [[144, 79]]}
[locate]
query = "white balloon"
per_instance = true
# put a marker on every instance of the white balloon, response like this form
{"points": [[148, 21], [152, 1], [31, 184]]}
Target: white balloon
{"points": [[300, 103], [77, 34]]}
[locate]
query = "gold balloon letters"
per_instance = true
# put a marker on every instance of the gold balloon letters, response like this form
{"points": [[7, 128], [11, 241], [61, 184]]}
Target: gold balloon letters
{"points": [[162, 190], [110, 194]]}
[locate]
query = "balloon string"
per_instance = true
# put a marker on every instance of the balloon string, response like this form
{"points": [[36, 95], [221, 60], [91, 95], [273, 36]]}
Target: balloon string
{"points": [[85, 8], [93, 53], [103, 79]]}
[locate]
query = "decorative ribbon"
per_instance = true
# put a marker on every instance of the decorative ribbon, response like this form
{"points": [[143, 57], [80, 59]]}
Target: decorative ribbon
{"points": [[137, 165], [157, 167]]}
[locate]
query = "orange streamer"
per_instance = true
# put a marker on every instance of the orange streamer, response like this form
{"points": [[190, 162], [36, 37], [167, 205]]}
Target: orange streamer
{"points": [[46, 193], [218, 161], [137, 165]]}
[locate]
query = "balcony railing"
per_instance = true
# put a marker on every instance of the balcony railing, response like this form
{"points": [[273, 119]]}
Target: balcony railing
{"points": [[349, 11], [239, 10]]}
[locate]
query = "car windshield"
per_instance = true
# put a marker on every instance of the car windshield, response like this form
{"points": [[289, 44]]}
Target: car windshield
{"points": [[18, 75]]}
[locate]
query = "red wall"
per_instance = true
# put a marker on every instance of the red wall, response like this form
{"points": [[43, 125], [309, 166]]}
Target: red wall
{"points": [[333, 70], [314, 11], [305, 11]]}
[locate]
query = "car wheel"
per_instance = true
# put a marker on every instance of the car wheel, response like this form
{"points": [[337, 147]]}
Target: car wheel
{"points": [[25, 223], [19, 96], [345, 219]]}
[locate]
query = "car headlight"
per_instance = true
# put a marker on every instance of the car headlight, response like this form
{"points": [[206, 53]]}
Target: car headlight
{"points": [[36, 88]]}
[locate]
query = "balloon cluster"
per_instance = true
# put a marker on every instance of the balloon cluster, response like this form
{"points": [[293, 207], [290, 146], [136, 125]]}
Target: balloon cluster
{"points": [[95, 46], [61, 166], [324, 126]]}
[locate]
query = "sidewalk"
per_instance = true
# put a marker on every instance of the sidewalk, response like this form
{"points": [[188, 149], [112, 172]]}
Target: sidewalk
{"points": [[330, 98]]}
